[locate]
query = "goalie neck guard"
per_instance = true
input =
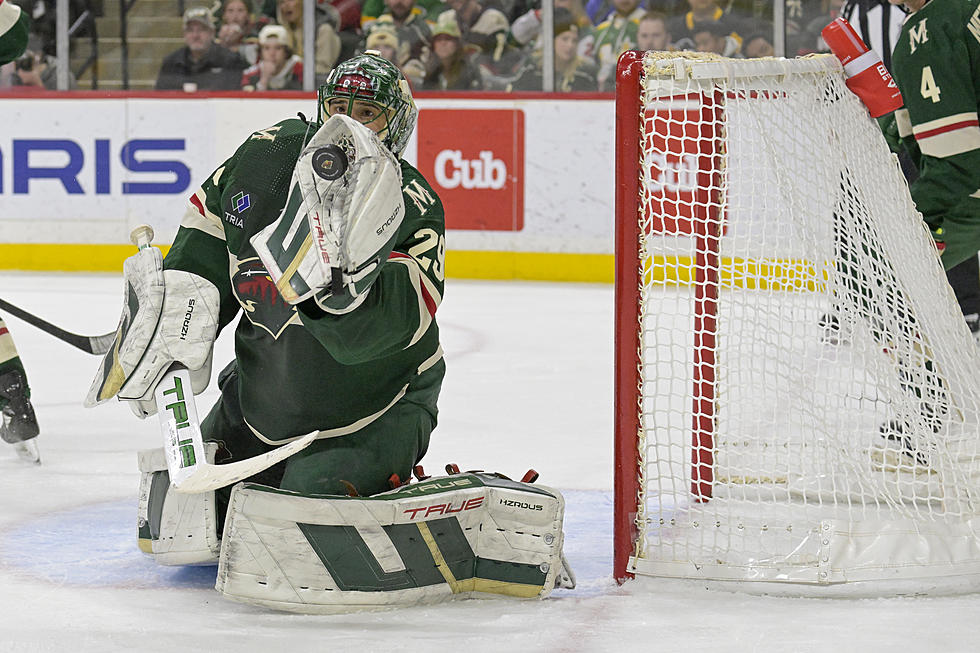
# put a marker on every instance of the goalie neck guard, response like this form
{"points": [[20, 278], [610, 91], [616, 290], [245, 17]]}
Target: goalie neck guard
{"points": [[371, 78]]}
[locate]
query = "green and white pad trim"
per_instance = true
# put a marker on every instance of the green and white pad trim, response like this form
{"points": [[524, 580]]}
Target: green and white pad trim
{"points": [[449, 537]]}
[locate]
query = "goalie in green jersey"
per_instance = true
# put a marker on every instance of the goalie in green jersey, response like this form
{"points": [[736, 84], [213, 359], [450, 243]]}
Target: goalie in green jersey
{"points": [[356, 355], [359, 360], [349, 349], [329, 249]]}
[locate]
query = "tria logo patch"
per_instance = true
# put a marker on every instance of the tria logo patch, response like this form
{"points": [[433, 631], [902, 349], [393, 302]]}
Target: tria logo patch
{"points": [[241, 202]]}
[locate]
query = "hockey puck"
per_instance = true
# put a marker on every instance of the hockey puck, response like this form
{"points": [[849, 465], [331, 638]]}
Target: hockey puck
{"points": [[329, 162]]}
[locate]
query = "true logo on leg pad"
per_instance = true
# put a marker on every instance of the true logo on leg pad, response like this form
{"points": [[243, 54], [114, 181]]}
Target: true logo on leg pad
{"points": [[329, 162]]}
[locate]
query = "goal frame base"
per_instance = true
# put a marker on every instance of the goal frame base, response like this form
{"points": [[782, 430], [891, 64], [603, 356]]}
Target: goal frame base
{"points": [[944, 586], [853, 559]]}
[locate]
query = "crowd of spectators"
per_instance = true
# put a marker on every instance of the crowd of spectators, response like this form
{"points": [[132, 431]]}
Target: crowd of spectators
{"points": [[496, 45]]}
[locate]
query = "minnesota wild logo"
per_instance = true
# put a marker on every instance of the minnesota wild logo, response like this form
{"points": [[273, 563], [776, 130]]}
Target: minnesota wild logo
{"points": [[258, 295]]}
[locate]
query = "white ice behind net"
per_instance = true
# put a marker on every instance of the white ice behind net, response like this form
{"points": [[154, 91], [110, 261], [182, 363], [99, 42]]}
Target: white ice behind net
{"points": [[835, 454]]}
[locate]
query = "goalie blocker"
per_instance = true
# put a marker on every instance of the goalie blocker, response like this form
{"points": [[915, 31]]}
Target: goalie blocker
{"points": [[450, 537], [168, 316]]}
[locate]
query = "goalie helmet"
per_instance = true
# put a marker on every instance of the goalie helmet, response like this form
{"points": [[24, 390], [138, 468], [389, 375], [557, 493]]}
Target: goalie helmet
{"points": [[371, 78]]}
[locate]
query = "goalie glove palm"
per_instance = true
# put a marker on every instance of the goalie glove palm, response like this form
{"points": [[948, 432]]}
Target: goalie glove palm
{"points": [[340, 221]]}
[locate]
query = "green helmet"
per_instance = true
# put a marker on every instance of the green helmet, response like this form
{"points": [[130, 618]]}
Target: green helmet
{"points": [[371, 78]]}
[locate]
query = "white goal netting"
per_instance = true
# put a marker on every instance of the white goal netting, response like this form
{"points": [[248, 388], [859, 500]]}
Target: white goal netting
{"points": [[808, 398]]}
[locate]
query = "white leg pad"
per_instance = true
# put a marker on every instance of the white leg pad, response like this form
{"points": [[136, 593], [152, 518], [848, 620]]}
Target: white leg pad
{"points": [[175, 528], [451, 537]]}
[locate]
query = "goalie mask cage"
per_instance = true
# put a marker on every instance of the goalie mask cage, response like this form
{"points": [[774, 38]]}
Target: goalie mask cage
{"points": [[758, 208]]}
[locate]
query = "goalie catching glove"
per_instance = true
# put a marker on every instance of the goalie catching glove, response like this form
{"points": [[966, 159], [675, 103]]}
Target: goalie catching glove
{"points": [[169, 316], [340, 221]]}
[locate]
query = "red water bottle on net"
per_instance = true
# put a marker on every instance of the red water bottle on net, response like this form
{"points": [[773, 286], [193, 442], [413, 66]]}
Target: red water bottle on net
{"points": [[865, 74]]}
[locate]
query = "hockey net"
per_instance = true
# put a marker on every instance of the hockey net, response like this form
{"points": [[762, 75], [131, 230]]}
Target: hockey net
{"points": [[796, 389]]}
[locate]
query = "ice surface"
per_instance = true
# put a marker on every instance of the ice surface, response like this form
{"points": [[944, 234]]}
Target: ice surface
{"points": [[529, 384]]}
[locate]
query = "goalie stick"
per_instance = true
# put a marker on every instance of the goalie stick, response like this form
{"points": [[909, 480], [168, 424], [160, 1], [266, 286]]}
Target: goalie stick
{"points": [[182, 440], [89, 344]]}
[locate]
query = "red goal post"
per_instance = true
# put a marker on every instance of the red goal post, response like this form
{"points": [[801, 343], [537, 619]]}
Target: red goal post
{"points": [[629, 77], [758, 207]]}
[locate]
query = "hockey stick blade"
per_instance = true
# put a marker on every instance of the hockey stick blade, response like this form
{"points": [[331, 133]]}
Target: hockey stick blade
{"points": [[90, 344], [208, 477], [184, 445]]}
